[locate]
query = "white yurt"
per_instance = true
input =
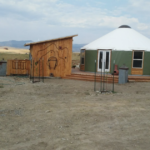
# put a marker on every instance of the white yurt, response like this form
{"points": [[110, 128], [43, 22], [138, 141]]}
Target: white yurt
{"points": [[124, 45]]}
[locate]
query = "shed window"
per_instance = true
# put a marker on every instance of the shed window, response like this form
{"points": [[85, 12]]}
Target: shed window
{"points": [[138, 59], [82, 57]]}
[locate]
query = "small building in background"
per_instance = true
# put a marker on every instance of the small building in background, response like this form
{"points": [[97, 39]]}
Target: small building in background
{"points": [[3, 67]]}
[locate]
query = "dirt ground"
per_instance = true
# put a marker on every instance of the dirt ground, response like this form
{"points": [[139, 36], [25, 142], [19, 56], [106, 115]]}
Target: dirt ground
{"points": [[68, 115]]}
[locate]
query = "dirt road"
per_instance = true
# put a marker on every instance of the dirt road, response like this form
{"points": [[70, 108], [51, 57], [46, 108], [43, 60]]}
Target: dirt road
{"points": [[68, 115]]}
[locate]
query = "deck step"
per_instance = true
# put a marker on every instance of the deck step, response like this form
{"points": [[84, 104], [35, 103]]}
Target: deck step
{"points": [[108, 78], [91, 78]]}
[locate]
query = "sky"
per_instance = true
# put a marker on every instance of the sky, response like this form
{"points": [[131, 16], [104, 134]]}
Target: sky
{"points": [[39, 20]]}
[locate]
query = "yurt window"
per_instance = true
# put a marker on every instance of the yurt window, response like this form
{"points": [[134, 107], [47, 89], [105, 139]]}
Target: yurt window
{"points": [[82, 56], [137, 59]]}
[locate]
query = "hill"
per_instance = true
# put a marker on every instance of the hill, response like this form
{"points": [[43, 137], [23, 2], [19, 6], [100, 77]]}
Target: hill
{"points": [[20, 45], [16, 44], [77, 47]]}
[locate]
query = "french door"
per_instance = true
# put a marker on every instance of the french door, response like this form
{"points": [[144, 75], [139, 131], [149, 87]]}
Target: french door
{"points": [[103, 61]]}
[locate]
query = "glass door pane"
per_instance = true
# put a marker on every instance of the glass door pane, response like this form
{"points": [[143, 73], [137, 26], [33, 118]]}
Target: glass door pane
{"points": [[103, 59], [107, 60], [82, 54], [100, 59]]}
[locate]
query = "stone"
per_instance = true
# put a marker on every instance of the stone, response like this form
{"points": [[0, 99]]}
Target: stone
{"points": [[47, 111]]}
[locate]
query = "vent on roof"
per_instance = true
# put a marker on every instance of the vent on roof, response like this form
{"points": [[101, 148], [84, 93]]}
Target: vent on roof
{"points": [[124, 26]]}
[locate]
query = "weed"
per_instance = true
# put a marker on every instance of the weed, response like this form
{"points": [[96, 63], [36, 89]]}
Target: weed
{"points": [[87, 93], [1, 86], [8, 56]]}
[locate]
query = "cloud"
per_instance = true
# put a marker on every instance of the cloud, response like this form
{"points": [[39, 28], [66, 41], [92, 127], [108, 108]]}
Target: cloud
{"points": [[142, 26], [46, 15], [25, 9], [55, 12], [139, 9], [140, 5]]}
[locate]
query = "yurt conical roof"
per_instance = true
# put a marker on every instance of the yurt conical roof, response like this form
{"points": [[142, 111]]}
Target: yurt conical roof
{"points": [[122, 39]]}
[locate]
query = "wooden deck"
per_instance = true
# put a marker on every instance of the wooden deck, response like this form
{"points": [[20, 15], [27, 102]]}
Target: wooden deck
{"points": [[90, 76]]}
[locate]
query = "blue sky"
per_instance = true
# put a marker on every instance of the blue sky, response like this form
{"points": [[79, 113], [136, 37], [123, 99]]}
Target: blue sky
{"points": [[46, 19]]}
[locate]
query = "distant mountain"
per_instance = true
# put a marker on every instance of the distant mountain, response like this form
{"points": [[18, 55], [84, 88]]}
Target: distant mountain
{"points": [[20, 44], [77, 47], [16, 44]]}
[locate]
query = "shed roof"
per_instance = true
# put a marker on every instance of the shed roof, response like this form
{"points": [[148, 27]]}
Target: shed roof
{"points": [[122, 39], [66, 37]]}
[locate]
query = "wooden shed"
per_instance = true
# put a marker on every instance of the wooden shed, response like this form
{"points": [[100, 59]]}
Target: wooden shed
{"points": [[51, 57]]}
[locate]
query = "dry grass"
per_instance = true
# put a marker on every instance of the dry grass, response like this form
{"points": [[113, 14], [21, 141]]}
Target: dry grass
{"points": [[76, 56], [1, 86], [13, 53], [12, 50], [8, 56], [24, 54]]}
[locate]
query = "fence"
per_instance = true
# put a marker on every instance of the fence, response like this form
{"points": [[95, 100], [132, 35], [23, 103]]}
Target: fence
{"points": [[37, 70], [18, 67], [104, 82]]}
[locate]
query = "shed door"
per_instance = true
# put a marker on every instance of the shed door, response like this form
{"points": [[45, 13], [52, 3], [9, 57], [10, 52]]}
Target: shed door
{"points": [[103, 60]]}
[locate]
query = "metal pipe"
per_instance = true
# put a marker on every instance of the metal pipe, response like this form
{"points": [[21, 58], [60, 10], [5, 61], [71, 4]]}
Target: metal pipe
{"points": [[95, 78], [30, 70], [104, 78], [39, 70], [43, 68], [33, 71], [113, 75], [101, 76]]}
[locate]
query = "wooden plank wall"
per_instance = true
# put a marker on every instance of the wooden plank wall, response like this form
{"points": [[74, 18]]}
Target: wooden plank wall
{"points": [[82, 67], [20, 67], [137, 71], [56, 57]]}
